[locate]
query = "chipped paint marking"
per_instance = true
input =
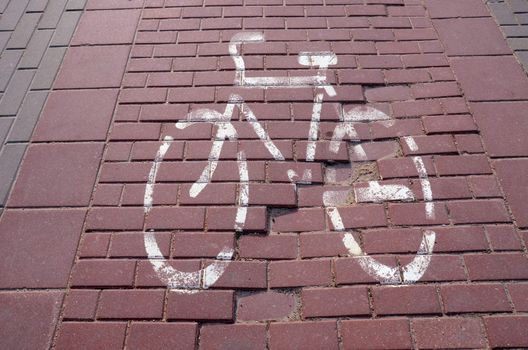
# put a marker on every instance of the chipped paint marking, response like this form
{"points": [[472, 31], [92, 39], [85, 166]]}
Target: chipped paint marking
{"points": [[378, 193]]}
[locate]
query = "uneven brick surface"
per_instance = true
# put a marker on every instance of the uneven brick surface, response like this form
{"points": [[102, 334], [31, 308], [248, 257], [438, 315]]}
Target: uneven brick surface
{"points": [[171, 197]]}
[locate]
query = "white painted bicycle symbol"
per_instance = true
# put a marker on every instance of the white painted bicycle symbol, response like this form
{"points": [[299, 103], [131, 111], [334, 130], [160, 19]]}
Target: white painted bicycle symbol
{"points": [[345, 129]]}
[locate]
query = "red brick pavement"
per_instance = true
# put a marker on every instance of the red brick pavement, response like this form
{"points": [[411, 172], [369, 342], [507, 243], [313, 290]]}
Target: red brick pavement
{"points": [[75, 232]]}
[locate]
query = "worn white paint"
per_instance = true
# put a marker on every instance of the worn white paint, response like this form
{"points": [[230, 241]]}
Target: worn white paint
{"points": [[377, 193], [243, 195], [306, 177], [149, 188], [314, 128], [409, 140], [335, 198], [206, 277], [426, 187]]}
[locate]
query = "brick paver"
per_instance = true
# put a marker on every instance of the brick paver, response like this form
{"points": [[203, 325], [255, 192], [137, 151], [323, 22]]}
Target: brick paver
{"points": [[279, 174]]}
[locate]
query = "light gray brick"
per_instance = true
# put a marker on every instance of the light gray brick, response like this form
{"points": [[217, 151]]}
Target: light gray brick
{"points": [[37, 6], [52, 15], [48, 68], [12, 14], [515, 31], [8, 64], [28, 116], [518, 5], [523, 58], [24, 30], [35, 49], [4, 37], [65, 28], [518, 44], [15, 92], [3, 5], [502, 13], [522, 18], [5, 125], [10, 159], [75, 4]]}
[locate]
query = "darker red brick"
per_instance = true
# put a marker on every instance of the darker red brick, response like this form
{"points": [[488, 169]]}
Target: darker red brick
{"points": [[391, 333], [81, 304], [332, 302], [475, 74], [93, 335], [198, 244], [471, 37], [404, 300], [131, 304], [179, 218], [116, 218], [506, 266], [319, 244], [103, 273], [283, 246], [243, 274], [133, 244], [454, 333], [94, 245], [305, 335], [156, 335], [300, 273], [465, 298], [503, 237], [38, 247], [227, 337], [477, 211], [462, 165], [204, 305], [57, 175], [519, 296], [30, 318], [507, 331], [265, 306], [515, 186], [299, 220], [223, 218]]}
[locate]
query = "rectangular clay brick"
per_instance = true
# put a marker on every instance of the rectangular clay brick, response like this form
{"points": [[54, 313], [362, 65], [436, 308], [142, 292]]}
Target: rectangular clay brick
{"points": [[206, 305], [299, 273], [131, 304]]}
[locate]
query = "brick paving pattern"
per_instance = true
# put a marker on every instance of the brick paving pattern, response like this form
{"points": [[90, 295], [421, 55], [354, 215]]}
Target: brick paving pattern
{"points": [[34, 35], [512, 17], [396, 221]]}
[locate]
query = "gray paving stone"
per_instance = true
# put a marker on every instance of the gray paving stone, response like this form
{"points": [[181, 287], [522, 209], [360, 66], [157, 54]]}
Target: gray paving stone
{"points": [[36, 48], [12, 14], [48, 68], [3, 5], [8, 63], [65, 28], [28, 116], [75, 4], [522, 18], [15, 92], [5, 125], [502, 13], [10, 159], [523, 58], [52, 15], [518, 44], [518, 5], [515, 31], [4, 37], [24, 30], [37, 6]]}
